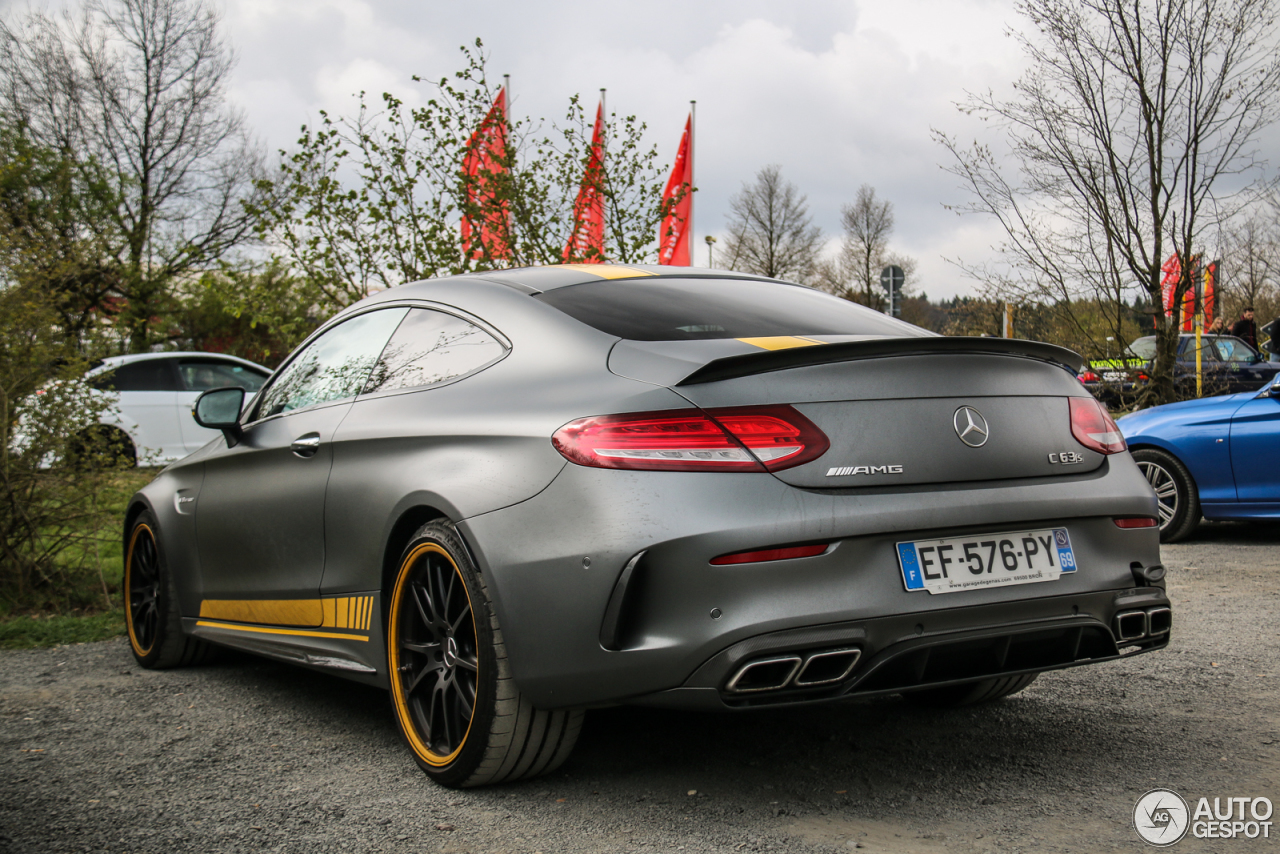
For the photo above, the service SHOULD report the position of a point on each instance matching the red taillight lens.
(1088, 377)
(1093, 427)
(764, 555)
(1136, 522)
(746, 439)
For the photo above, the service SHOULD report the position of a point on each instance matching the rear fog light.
(765, 555)
(1136, 522)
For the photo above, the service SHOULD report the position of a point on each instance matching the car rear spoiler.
(747, 364)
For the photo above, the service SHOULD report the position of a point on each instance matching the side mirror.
(219, 409)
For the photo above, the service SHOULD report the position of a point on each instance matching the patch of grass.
(80, 598)
(26, 632)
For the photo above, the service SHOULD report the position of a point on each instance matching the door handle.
(306, 445)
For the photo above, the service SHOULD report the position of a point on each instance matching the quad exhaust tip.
(825, 667)
(1151, 623)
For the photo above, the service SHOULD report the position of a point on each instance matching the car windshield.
(688, 309)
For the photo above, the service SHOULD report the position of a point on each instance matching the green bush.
(60, 491)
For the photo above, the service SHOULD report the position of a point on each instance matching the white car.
(155, 392)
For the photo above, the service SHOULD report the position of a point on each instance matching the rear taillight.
(1088, 377)
(744, 439)
(1093, 427)
(764, 555)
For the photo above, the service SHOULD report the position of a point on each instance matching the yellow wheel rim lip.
(421, 748)
(128, 590)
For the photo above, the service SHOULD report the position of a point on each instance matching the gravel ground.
(98, 755)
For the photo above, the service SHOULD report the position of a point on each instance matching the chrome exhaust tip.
(1159, 620)
(1131, 625)
(824, 668)
(765, 674)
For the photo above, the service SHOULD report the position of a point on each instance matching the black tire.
(151, 610)
(1176, 491)
(971, 693)
(457, 707)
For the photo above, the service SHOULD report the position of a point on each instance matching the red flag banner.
(483, 167)
(588, 209)
(673, 242)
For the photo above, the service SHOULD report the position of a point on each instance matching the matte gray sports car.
(511, 496)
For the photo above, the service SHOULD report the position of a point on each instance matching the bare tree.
(1132, 137)
(133, 93)
(867, 222)
(770, 233)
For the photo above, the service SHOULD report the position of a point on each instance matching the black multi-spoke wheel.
(142, 585)
(437, 664)
(1179, 500)
(451, 687)
(151, 614)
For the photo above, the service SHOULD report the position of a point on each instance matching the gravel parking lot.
(98, 755)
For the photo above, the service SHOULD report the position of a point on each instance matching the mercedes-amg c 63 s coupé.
(509, 497)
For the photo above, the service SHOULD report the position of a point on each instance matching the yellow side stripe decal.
(607, 271)
(781, 342)
(348, 612)
(276, 612)
(269, 630)
(340, 612)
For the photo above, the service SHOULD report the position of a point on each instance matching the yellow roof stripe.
(607, 271)
(781, 342)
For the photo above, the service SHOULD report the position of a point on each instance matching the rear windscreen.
(687, 309)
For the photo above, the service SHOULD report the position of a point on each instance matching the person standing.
(1245, 329)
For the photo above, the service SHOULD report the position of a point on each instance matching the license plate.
(1115, 376)
(979, 561)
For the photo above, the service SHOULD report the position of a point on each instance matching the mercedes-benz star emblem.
(970, 426)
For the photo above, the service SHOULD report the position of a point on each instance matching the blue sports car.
(1217, 456)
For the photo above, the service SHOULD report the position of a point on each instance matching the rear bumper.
(553, 566)
(908, 652)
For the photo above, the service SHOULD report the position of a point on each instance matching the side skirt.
(356, 653)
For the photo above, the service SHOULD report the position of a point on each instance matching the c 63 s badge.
(843, 471)
(1066, 458)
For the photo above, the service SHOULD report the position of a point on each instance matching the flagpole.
(693, 107)
(604, 150)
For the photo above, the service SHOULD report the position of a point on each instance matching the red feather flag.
(484, 167)
(673, 242)
(588, 209)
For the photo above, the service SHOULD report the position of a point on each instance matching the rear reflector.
(769, 554)
(755, 438)
(1093, 427)
(1136, 522)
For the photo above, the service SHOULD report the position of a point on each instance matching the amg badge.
(848, 470)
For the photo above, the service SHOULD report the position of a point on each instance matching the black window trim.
(246, 421)
(483, 327)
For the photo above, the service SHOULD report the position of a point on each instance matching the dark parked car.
(1228, 365)
(508, 497)
(1216, 457)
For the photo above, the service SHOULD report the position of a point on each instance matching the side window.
(144, 375)
(334, 366)
(431, 347)
(204, 374)
(1234, 350)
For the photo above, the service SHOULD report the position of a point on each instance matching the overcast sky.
(837, 93)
